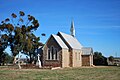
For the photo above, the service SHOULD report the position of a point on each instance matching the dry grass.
(96, 73)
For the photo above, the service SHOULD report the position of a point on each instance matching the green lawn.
(96, 73)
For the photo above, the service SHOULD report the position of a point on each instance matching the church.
(64, 50)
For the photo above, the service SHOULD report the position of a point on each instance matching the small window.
(48, 54)
(76, 55)
(79, 56)
(52, 51)
(56, 54)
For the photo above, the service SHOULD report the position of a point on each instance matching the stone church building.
(64, 50)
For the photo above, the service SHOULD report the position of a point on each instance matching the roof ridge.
(72, 41)
(59, 41)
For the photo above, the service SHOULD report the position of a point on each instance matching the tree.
(2, 58)
(8, 58)
(3, 45)
(111, 58)
(99, 59)
(17, 33)
(5, 58)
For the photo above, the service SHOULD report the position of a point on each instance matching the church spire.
(72, 29)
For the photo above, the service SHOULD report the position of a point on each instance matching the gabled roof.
(71, 41)
(87, 50)
(59, 41)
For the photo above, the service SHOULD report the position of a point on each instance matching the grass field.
(96, 73)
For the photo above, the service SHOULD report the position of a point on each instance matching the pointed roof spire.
(72, 29)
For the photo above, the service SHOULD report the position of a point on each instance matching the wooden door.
(85, 60)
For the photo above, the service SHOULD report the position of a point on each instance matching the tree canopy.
(17, 32)
(111, 58)
(99, 59)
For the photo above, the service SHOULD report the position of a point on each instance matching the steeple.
(72, 29)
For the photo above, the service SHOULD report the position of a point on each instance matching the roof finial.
(72, 29)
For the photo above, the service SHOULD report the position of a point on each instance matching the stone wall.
(76, 57)
(52, 63)
(65, 58)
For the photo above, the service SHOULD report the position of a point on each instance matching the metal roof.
(59, 41)
(87, 50)
(72, 41)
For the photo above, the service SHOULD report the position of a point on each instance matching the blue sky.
(97, 22)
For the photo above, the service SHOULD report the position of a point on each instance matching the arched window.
(79, 56)
(56, 56)
(76, 55)
(48, 54)
(52, 53)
